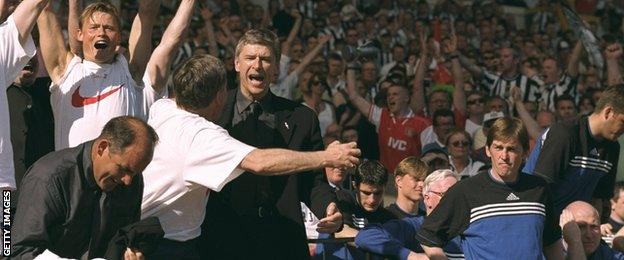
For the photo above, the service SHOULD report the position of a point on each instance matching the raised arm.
(309, 57)
(613, 54)
(532, 126)
(55, 54)
(459, 94)
(73, 24)
(25, 16)
(362, 104)
(158, 65)
(417, 102)
(207, 15)
(475, 70)
(293, 32)
(273, 162)
(575, 58)
(140, 41)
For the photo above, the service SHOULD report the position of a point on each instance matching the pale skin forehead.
(100, 18)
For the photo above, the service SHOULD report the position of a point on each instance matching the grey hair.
(438, 175)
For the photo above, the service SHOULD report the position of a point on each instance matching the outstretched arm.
(459, 94)
(293, 32)
(55, 54)
(281, 161)
(309, 57)
(140, 41)
(575, 57)
(207, 15)
(25, 16)
(362, 104)
(532, 126)
(417, 102)
(158, 65)
(73, 24)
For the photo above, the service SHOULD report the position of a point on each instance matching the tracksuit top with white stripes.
(578, 166)
(494, 220)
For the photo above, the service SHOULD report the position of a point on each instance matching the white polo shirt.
(193, 157)
(13, 57)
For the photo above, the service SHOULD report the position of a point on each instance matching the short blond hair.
(104, 7)
(412, 166)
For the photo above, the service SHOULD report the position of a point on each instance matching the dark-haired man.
(361, 207)
(579, 157)
(78, 197)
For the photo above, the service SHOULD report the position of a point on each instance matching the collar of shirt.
(87, 165)
(242, 103)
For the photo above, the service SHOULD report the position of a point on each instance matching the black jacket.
(226, 234)
(59, 207)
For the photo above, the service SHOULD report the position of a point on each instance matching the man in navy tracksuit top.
(397, 238)
(501, 213)
(579, 157)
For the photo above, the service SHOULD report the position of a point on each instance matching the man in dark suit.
(260, 217)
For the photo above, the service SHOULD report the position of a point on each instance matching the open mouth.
(101, 44)
(256, 78)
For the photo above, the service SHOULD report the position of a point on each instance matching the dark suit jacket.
(224, 236)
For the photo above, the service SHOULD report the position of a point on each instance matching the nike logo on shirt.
(80, 101)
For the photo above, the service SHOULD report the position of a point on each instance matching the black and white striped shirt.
(565, 85)
(498, 85)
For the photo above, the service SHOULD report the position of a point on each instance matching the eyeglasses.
(441, 194)
(476, 101)
(461, 143)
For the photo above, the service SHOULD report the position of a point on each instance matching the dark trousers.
(227, 235)
(170, 249)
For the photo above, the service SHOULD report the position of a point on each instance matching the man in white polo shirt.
(16, 49)
(195, 156)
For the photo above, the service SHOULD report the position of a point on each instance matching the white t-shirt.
(471, 127)
(13, 57)
(428, 136)
(192, 157)
(326, 117)
(90, 94)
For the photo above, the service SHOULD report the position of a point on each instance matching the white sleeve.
(149, 94)
(213, 159)
(13, 56)
(374, 116)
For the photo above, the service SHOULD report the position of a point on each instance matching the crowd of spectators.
(417, 84)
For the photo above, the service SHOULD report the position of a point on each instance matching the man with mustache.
(89, 90)
(499, 213)
(266, 210)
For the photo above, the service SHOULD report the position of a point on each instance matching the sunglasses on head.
(476, 101)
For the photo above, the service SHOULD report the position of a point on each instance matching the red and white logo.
(80, 101)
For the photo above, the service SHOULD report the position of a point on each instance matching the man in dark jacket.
(78, 197)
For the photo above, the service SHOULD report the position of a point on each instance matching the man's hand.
(606, 229)
(613, 51)
(571, 231)
(332, 221)
(324, 38)
(341, 156)
(133, 254)
(416, 256)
